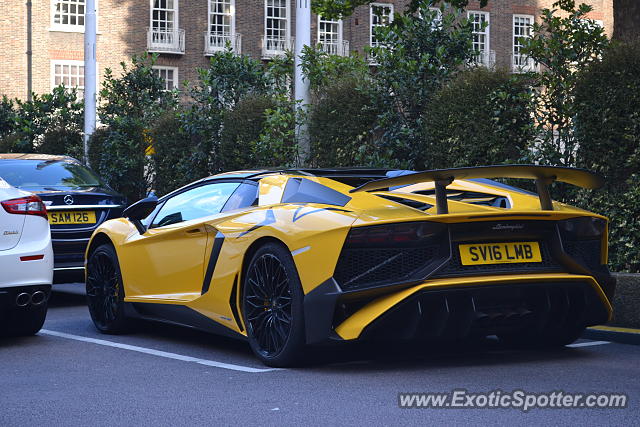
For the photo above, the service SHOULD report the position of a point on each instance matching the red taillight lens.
(31, 205)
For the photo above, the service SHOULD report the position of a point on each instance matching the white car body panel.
(20, 236)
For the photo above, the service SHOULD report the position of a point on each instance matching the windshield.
(51, 173)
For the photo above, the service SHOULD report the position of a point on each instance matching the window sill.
(69, 30)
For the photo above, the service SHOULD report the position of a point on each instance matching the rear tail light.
(30, 205)
(583, 227)
(394, 235)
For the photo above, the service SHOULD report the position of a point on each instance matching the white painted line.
(588, 343)
(153, 352)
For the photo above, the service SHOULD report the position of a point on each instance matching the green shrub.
(277, 146)
(607, 127)
(171, 154)
(481, 117)
(341, 122)
(62, 141)
(129, 105)
(241, 131)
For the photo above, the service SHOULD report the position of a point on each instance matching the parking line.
(164, 354)
(589, 343)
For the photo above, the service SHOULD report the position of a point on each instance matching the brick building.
(185, 32)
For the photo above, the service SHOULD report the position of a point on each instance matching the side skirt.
(182, 316)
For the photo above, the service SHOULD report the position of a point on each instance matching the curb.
(613, 334)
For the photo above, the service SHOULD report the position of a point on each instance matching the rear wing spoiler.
(543, 176)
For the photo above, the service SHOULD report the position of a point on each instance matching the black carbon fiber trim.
(213, 260)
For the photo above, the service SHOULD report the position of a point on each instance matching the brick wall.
(122, 26)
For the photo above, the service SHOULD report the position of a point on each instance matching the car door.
(167, 261)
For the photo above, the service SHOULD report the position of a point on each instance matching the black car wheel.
(105, 293)
(272, 307)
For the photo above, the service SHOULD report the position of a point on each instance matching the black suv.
(77, 202)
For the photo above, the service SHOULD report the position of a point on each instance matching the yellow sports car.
(292, 258)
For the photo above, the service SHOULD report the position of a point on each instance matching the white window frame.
(66, 28)
(331, 21)
(486, 31)
(232, 29)
(176, 81)
(70, 62)
(529, 66)
(176, 13)
(371, 16)
(287, 36)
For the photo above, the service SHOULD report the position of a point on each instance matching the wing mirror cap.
(141, 209)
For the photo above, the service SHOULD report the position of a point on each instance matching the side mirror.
(141, 209)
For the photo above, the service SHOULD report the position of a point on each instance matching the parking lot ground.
(70, 374)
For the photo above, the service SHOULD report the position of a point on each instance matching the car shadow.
(66, 299)
(372, 357)
(348, 357)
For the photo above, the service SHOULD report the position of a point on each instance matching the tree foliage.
(49, 123)
(607, 128)
(339, 9)
(481, 117)
(129, 105)
(564, 42)
(418, 53)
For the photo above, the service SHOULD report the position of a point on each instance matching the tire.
(105, 292)
(547, 338)
(272, 307)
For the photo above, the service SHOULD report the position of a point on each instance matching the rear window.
(37, 173)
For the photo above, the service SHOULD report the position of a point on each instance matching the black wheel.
(547, 338)
(105, 293)
(272, 307)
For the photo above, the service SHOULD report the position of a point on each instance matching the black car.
(77, 202)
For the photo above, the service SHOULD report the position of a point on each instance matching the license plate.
(72, 217)
(500, 253)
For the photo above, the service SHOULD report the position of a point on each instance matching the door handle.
(195, 231)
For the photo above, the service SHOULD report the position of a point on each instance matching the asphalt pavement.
(69, 374)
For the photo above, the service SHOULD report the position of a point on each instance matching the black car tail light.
(394, 235)
(583, 227)
(582, 239)
(381, 255)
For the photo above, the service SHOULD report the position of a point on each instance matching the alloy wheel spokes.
(268, 304)
(102, 288)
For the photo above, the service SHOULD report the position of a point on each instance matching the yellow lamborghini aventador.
(291, 258)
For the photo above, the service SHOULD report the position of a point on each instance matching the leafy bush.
(64, 141)
(481, 117)
(277, 146)
(421, 53)
(170, 159)
(241, 130)
(341, 122)
(50, 123)
(564, 42)
(129, 105)
(607, 127)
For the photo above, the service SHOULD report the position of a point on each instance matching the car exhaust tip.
(23, 299)
(38, 298)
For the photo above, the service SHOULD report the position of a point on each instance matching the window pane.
(195, 203)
